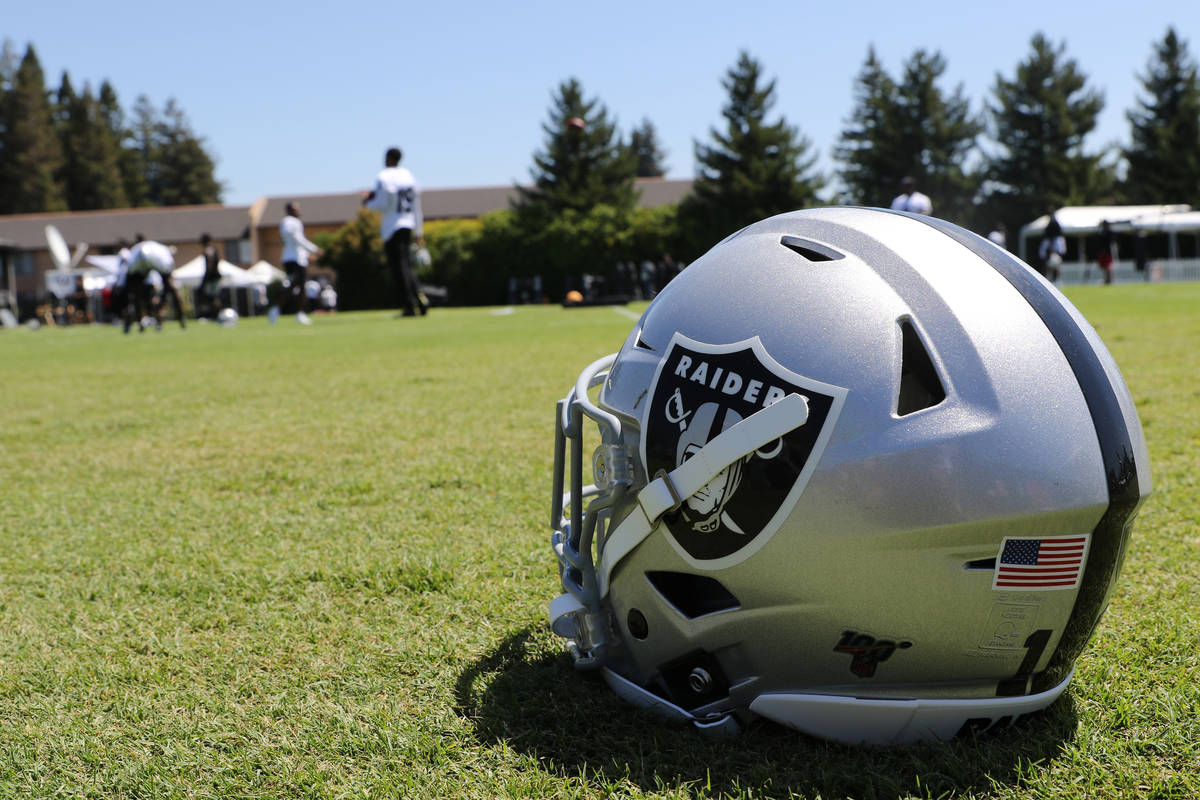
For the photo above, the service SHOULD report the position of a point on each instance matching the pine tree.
(133, 182)
(1164, 154)
(1038, 122)
(65, 150)
(91, 174)
(32, 158)
(184, 171)
(9, 61)
(647, 152)
(140, 159)
(64, 98)
(912, 129)
(868, 148)
(752, 170)
(938, 132)
(583, 164)
(66, 110)
(575, 218)
(110, 110)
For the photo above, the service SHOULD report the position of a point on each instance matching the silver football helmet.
(859, 472)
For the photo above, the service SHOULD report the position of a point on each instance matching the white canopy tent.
(265, 273)
(190, 274)
(109, 264)
(1083, 221)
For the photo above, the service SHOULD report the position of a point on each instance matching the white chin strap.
(669, 490)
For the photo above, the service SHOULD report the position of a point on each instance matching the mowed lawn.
(286, 561)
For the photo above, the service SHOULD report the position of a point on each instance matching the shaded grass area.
(278, 561)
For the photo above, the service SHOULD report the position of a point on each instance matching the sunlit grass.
(289, 562)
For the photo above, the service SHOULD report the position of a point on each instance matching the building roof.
(470, 202)
(657, 192)
(1178, 221)
(316, 209)
(106, 228)
(336, 209)
(185, 223)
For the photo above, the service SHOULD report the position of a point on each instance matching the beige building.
(245, 234)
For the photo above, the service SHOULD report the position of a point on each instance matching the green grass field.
(282, 562)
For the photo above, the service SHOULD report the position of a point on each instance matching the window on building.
(237, 251)
(23, 263)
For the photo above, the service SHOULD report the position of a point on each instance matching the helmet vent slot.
(692, 595)
(920, 386)
(811, 250)
(981, 563)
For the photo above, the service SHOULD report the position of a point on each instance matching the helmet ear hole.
(636, 622)
(692, 595)
(920, 386)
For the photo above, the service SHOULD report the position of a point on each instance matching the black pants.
(208, 297)
(396, 249)
(297, 277)
(139, 299)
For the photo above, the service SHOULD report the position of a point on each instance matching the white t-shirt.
(295, 246)
(398, 198)
(149, 255)
(1052, 250)
(122, 267)
(915, 202)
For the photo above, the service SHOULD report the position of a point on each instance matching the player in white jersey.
(397, 197)
(910, 199)
(144, 257)
(120, 295)
(296, 249)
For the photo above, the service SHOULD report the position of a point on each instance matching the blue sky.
(302, 98)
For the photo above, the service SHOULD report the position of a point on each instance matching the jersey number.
(404, 200)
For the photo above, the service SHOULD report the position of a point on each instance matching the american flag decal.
(1053, 562)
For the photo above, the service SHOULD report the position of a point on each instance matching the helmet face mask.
(861, 473)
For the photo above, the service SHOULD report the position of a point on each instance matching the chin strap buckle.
(665, 477)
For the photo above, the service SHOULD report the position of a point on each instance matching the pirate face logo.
(699, 392)
(705, 510)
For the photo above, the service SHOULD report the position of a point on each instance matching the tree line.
(1023, 151)
(78, 150)
(1020, 151)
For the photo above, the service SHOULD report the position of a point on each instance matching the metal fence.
(1074, 273)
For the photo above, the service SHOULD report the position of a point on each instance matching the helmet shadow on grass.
(526, 693)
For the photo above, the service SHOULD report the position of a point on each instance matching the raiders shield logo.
(701, 390)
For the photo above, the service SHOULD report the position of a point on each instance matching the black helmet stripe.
(1107, 548)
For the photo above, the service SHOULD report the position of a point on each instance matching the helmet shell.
(970, 405)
